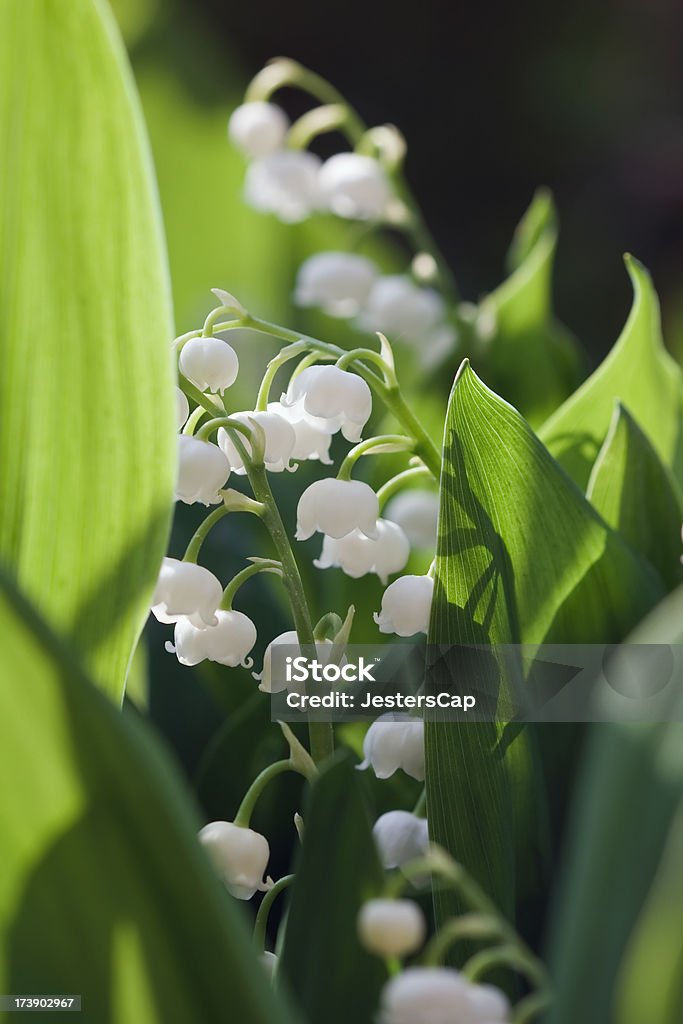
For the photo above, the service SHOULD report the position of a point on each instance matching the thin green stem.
(373, 446)
(512, 955)
(262, 565)
(330, 117)
(460, 929)
(290, 352)
(421, 804)
(261, 922)
(202, 532)
(368, 355)
(397, 482)
(198, 396)
(244, 812)
(531, 1007)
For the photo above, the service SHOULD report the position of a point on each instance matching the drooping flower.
(417, 513)
(185, 589)
(258, 128)
(395, 741)
(284, 183)
(332, 399)
(210, 363)
(337, 282)
(406, 606)
(336, 507)
(288, 643)
(429, 995)
(310, 441)
(358, 554)
(401, 309)
(490, 1004)
(355, 186)
(229, 642)
(239, 855)
(400, 837)
(202, 470)
(182, 408)
(279, 441)
(391, 928)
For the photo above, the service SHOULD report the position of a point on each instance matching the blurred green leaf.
(629, 792)
(86, 393)
(104, 889)
(634, 492)
(522, 557)
(531, 359)
(638, 371)
(333, 978)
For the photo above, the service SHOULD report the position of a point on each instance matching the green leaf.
(629, 792)
(634, 492)
(104, 889)
(337, 871)
(522, 557)
(86, 393)
(638, 371)
(526, 332)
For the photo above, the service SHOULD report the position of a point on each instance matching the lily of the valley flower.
(210, 363)
(335, 508)
(258, 128)
(400, 837)
(358, 555)
(355, 186)
(310, 441)
(393, 742)
(333, 399)
(202, 470)
(391, 928)
(185, 589)
(337, 282)
(229, 642)
(279, 437)
(290, 642)
(239, 855)
(182, 408)
(417, 513)
(284, 183)
(437, 995)
(406, 606)
(401, 309)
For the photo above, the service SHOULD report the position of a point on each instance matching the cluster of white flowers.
(440, 995)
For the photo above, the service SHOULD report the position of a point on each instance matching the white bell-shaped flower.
(284, 183)
(288, 642)
(239, 855)
(337, 282)
(391, 928)
(406, 606)
(332, 399)
(417, 513)
(355, 186)
(202, 470)
(182, 408)
(395, 741)
(401, 309)
(336, 508)
(279, 435)
(228, 642)
(489, 1004)
(210, 363)
(358, 555)
(427, 995)
(258, 128)
(310, 440)
(186, 589)
(400, 837)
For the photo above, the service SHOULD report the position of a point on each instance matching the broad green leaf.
(104, 890)
(522, 557)
(630, 790)
(333, 978)
(639, 372)
(634, 492)
(86, 393)
(532, 359)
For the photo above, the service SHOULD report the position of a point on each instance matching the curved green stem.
(505, 956)
(262, 565)
(261, 922)
(244, 812)
(459, 929)
(290, 352)
(202, 532)
(396, 483)
(330, 117)
(373, 446)
(531, 1007)
(368, 355)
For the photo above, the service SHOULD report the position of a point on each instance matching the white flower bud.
(489, 1004)
(400, 837)
(186, 589)
(182, 408)
(401, 309)
(427, 995)
(202, 470)
(406, 606)
(228, 643)
(391, 927)
(280, 439)
(357, 554)
(336, 507)
(290, 641)
(417, 513)
(239, 855)
(310, 440)
(355, 186)
(210, 363)
(284, 183)
(393, 742)
(258, 128)
(338, 282)
(332, 399)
